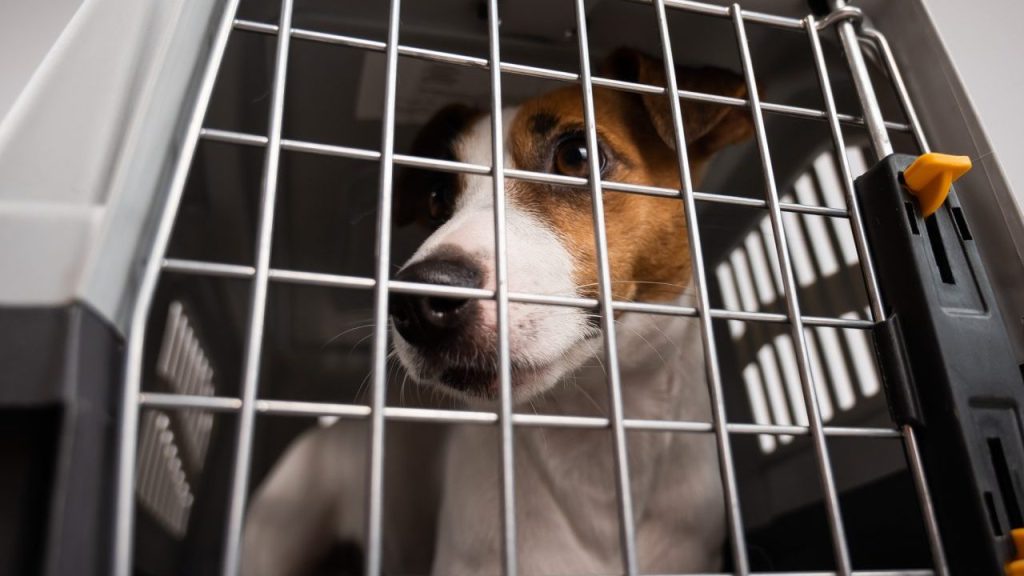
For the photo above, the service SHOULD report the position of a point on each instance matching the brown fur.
(647, 240)
(647, 237)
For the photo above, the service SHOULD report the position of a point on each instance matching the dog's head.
(451, 343)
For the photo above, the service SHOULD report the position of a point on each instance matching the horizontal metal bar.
(846, 322)
(293, 408)
(189, 401)
(439, 290)
(203, 268)
(549, 74)
(232, 137)
(439, 416)
(745, 316)
(208, 268)
(559, 421)
(923, 572)
(722, 11)
(297, 408)
(525, 175)
(321, 279)
(329, 150)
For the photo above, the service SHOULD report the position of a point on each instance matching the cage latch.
(948, 364)
(930, 177)
(896, 375)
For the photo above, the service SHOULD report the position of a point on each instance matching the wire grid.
(249, 404)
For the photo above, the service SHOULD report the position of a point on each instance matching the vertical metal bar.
(862, 82)
(622, 482)
(792, 305)
(508, 487)
(258, 303)
(852, 205)
(901, 88)
(375, 484)
(867, 265)
(734, 518)
(874, 294)
(909, 439)
(924, 498)
(129, 424)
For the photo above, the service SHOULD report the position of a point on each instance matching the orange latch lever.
(1016, 566)
(930, 176)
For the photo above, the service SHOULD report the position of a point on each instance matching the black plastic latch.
(897, 378)
(949, 367)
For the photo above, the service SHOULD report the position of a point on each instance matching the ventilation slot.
(961, 224)
(931, 224)
(1005, 480)
(912, 218)
(173, 446)
(162, 486)
(184, 368)
(993, 515)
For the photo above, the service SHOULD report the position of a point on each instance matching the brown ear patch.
(708, 127)
(436, 139)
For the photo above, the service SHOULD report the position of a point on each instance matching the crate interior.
(317, 345)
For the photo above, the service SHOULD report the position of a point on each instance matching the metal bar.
(321, 279)
(172, 401)
(707, 9)
(793, 306)
(909, 439)
(166, 401)
(232, 137)
(375, 481)
(258, 303)
(507, 434)
(440, 290)
(627, 529)
(824, 573)
(330, 150)
(527, 175)
(925, 500)
(537, 72)
(901, 87)
(129, 424)
(853, 206)
(733, 515)
(208, 268)
(293, 408)
(860, 238)
(862, 82)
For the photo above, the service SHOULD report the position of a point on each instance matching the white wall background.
(985, 41)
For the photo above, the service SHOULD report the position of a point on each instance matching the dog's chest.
(567, 505)
(566, 499)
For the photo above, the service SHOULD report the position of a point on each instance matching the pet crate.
(203, 273)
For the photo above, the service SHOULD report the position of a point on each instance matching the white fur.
(448, 482)
(546, 340)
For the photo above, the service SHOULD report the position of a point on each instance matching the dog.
(442, 486)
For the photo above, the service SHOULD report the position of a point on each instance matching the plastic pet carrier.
(197, 253)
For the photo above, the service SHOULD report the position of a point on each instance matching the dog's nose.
(430, 319)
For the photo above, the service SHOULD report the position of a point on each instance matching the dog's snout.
(430, 319)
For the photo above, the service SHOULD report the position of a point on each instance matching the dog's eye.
(441, 203)
(571, 157)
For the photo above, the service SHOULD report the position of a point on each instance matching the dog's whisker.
(641, 337)
(340, 334)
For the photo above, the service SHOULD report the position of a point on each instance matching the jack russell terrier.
(442, 496)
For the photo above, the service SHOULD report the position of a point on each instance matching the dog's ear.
(708, 127)
(435, 140)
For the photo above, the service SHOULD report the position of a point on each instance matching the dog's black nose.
(423, 320)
